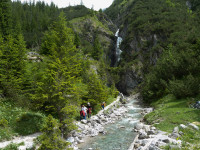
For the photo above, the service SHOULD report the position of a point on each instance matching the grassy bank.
(171, 112)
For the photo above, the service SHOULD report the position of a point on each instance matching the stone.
(183, 126)
(161, 144)
(151, 132)
(148, 110)
(84, 121)
(136, 145)
(144, 142)
(70, 139)
(174, 135)
(153, 147)
(146, 128)
(166, 140)
(181, 133)
(176, 130)
(98, 121)
(153, 128)
(112, 115)
(142, 135)
(139, 126)
(194, 126)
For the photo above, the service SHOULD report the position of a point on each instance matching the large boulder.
(139, 126)
(183, 126)
(176, 130)
(194, 126)
(142, 135)
(146, 128)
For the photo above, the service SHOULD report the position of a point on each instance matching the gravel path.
(28, 141)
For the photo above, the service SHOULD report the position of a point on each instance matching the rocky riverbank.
(150, 138)
(95, 125)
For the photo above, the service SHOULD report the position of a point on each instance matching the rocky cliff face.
(97, 25)
(139, 54)
(145, 27)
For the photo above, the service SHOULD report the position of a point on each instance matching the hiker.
(83, 108)
(103, 105)
(82, 114)
(89, 110)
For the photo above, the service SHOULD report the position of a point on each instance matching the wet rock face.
(137, 52)
(129, 81)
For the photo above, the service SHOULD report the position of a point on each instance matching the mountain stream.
(119, 135)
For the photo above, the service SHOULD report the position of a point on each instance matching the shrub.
(28, 123)
(51, 137)
(3, 122)
(188, 86)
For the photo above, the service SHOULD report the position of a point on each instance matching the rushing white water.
(118, 50)
(117, 138)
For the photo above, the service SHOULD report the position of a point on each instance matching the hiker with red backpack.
(89, 110)
(83, 113)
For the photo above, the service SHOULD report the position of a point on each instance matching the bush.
(188, 86)
(51, 137)
(29, 123)
(3, 122)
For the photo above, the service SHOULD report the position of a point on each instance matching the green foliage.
(5, 17)
(12, 146)
(51, 137)
(33, 19)
(72, 12)
(188, 86)
(12, 65)
(97, 50)
(3, 122)
(28, 123)
(171, 112)
(18, 121)
(97, 91)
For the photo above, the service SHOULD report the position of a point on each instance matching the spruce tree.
(51, 138)
(12, 63)
(97, 50)
(5, 17)
(57, 89)
(97, 90)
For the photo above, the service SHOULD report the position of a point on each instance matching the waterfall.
(118, 50)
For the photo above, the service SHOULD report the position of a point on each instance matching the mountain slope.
(148, 28)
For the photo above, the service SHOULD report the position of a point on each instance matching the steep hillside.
(69, 63)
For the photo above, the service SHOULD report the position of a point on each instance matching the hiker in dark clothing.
(103, 105)
(89, 110)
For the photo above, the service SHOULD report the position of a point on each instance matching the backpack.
(89, 110)
(82, 113)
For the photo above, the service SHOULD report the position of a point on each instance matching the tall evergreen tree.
(57, 91)
(5, 17)
(12, 62)
(97, 50)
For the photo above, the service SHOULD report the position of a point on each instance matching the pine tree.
(97, 50)
(12, 63)
(5, 17)
(97, 90)
(57, 89)
(51, 137)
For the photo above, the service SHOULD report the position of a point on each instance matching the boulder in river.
(139, 126)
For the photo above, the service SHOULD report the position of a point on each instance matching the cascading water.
(118, 50)
(117, 138)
